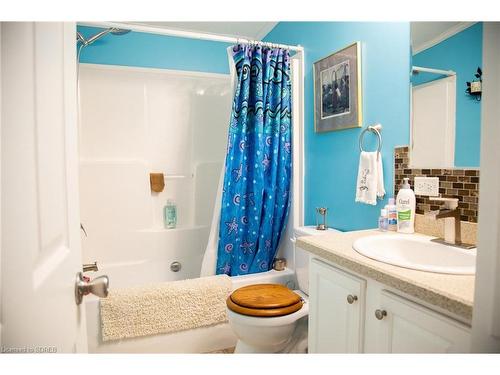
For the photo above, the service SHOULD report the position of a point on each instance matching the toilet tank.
(302, 257)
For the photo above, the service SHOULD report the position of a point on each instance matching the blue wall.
(155, 51)
(462, 53)
(332, 158)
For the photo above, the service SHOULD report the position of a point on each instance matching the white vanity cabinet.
(407, 327)
(349, 313)
(336, 310)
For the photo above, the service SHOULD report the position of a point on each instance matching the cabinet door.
(407, 327)
(336, 310)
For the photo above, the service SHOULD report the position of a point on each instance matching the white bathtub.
(200, 340)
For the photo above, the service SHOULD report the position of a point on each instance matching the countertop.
(453, 293)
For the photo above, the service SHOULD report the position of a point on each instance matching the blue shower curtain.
(256, 191)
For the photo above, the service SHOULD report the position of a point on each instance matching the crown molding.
(266, 29)
(443, 36)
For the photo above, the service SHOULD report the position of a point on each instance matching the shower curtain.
(256, 190)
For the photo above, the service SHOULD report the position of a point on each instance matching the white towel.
(370, 185)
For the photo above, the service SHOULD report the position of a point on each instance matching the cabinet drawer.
(336, 310)
(409, 327)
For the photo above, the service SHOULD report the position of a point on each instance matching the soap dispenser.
(405, 206)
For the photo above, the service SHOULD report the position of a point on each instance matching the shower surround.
(134, 121)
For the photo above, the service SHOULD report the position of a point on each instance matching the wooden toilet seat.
(264, 300)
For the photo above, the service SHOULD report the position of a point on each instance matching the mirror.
(445, 124)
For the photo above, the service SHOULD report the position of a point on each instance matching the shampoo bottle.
(405, 206)
(170, 214)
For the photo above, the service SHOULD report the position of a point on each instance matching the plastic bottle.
(405, 205)
(170, 214)
(382, 220)
(392, 215)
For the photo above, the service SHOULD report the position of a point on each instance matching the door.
(433, 112)
(336, 310)
(40, 215)
(485, 320)
(406, 327)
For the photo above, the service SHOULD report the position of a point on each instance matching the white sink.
(417, 252)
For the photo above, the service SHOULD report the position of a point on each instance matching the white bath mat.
(165, 307)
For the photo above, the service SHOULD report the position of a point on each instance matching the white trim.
(443, 36)
(298, 141)
(182, 33)
(301, 56)
(485, 321)
(155, 70)
(0, 184)
(431, 70)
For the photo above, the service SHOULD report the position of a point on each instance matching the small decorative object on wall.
(474, 88)
(337, 90)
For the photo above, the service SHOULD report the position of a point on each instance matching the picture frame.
(338, 90)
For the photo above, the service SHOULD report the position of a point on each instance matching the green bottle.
(170, 214)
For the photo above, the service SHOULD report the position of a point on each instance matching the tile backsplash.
(453, 183)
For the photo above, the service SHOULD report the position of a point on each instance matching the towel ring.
(374, 129)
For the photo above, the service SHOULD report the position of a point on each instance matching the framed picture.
(337, 90)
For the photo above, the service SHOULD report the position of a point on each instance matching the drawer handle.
(351, 299)
(380, 314)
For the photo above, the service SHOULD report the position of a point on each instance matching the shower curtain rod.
(186, 34)
(435, 71)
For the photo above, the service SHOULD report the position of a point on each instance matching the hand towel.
(370, 184)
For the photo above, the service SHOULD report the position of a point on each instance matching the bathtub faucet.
(90, 267)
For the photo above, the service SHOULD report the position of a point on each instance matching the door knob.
(98, 287)
(380, 314)
(351, 299)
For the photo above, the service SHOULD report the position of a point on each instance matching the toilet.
(271, 318)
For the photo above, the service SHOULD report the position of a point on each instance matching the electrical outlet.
(427, 186)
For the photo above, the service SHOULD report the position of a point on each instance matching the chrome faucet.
(452, 227)
(90, 267)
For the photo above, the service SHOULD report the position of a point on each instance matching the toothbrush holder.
(321, 218)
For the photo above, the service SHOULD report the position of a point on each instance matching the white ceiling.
(247, 30)
(427, 34)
